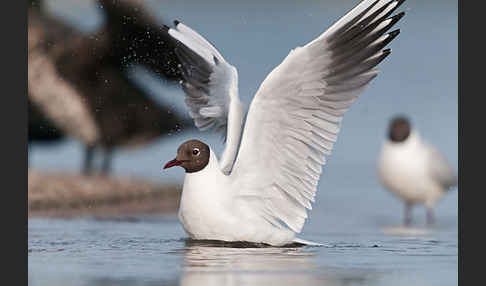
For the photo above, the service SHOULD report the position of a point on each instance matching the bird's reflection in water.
(218, 263)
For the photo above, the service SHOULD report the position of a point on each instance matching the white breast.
(204, 202)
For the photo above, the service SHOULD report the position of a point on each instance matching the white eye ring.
(196, 152)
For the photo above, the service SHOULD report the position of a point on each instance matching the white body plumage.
(414, 171)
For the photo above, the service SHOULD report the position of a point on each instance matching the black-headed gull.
(412, 169)
(260, 189)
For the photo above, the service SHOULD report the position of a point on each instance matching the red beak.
(172, 163)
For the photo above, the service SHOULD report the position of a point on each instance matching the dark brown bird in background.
(78, 84)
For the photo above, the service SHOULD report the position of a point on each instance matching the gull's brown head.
(192, 155)
(399, 129)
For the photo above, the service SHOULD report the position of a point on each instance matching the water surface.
(358, 225)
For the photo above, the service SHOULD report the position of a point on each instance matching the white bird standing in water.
(260, 189)
(413, 170)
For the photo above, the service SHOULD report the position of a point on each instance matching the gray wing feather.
(440, 168)
(211, 87)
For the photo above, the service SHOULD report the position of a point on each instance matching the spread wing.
(294, 119)
(211, 87)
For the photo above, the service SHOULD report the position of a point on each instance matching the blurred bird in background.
(41, 128)
(78, 84)
(413, 170)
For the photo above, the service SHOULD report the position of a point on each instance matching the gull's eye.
(195, 151)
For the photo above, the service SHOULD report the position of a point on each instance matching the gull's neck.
(412, 140)
(206, 184)
(211, 168)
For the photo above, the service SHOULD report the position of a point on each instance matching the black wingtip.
(372, 4)
(399, 15)
(395, 33)
(384, 54)
(396, 18)
(176, 22)
(166, 27)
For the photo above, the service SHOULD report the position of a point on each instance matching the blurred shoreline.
(64, 194)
